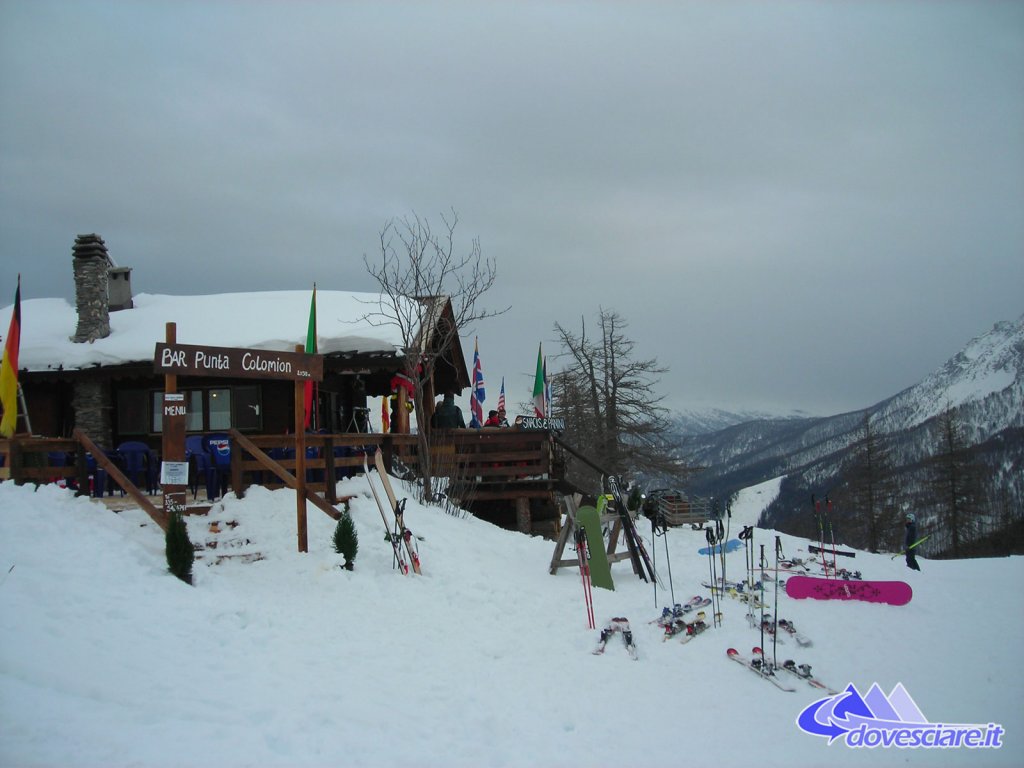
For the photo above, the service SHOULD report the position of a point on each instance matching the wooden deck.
(508, 476)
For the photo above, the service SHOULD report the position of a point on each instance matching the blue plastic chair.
(343, 452)
(139, 464)
(59, 460)
(197, 455)
(102, 483)
(219, 446)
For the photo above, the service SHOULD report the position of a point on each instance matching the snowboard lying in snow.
(891, 592)
(730, 546)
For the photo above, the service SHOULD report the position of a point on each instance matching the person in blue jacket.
(910, 538)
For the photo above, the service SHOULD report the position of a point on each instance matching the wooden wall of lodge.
(495, 464)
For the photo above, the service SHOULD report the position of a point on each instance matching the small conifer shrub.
(346, 540)
(180, 552)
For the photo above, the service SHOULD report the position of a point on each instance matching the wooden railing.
(46, 460)
(40, 459)
(496, 459)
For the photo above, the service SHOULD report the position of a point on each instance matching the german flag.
(9, 370)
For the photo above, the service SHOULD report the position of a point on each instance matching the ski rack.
(571, 504)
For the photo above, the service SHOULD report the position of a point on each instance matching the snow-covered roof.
(275, 320)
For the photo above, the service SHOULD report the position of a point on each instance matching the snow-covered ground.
(484, 660)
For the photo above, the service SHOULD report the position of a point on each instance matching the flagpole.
(24, 409)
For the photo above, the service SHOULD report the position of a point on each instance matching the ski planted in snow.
(634, 544)
(399, 558)
(404, 534)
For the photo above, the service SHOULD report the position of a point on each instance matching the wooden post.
(401, 422)
(173, 441)
(524, 521)
(238, 483)
(300, 460)
(330, 489)
(81, 471)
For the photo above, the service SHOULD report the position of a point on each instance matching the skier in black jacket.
(911, 537)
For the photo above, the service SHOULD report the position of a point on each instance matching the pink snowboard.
(891, 592)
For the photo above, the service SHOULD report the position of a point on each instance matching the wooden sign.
(191, 360)
(173, 483)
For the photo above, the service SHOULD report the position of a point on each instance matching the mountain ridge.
(983, 384)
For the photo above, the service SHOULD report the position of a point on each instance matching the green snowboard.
(600, 570)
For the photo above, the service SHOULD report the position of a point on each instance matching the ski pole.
(719, 578)
(654, 560)
(831, 532)
(720, 532)
(709, 534)
(747, 537)
(775, 634)
(658, 522)
(898, 554)
(762, 601)
(821, 533)
(583, 556)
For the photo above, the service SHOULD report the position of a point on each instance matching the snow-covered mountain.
(702, 421)
(984, 381)
(983, 384)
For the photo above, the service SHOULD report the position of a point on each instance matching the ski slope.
(484, 660)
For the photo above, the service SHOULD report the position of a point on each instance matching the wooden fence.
(490, 465)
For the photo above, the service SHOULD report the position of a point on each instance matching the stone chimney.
(92, 266)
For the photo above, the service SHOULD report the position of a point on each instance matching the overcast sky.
(795, 205)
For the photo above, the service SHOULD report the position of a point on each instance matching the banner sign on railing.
(554, 424)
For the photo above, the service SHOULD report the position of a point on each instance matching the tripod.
(359, 421)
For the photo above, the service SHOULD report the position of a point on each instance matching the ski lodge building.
(90, 368)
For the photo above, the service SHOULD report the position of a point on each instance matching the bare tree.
(871, 488)
(957, 481)
(420, 275)
(608, 400)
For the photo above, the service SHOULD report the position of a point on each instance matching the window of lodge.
(216, 409)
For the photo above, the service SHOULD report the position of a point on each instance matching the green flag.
(539, 408)
(311, 350)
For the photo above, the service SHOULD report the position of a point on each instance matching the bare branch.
(417, 271)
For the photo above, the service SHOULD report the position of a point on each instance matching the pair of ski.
(618, 624)
(399, 536)
(669, 615)
(760, 666)
(688, 629)
(777, 629)
(803, 671)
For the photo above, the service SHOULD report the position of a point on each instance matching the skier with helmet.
(911, 537)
